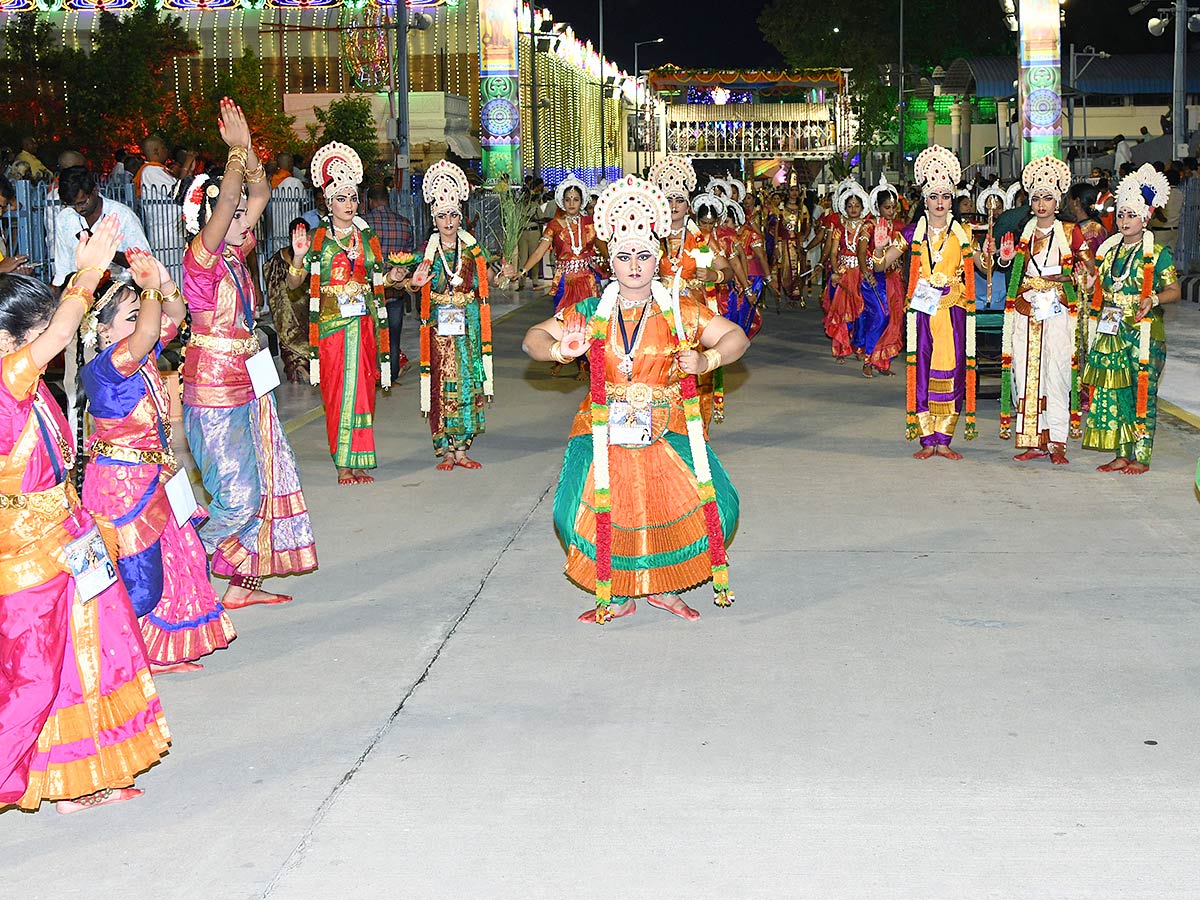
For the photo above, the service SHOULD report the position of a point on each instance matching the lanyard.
(1050, 242)
(246, 304)
(44, 428)
(625, 339)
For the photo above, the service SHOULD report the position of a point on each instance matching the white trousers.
(1041, 379)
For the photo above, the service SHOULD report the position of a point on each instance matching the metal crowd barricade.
(162, 220)
(1187, 251)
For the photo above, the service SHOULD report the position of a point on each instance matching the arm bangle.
(152, 295)
(556, 354)
(83, 295)
(295, 271)
(714, 360)
(255, 176)
(1154, 301)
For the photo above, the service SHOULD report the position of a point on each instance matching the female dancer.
(758, 267)
(637, 472)
(572, 237)
(878, 333)
(941, 300)
(1040, 368)
(130, 461)
(348, 336)
(1081, 204)
(257, 521)
(791, 263)
(79, 715)
(1129, 344)
(456, 323)
(847, 245)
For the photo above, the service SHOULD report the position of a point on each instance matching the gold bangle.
(151, 294)
(256, 176)
(1154, 301)
(293, 270)
(176, 294)
(83, 295)
(720, 279)
(556, 354)
(238, 154)
(714, 360)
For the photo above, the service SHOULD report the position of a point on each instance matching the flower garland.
(373, 263)
(668, 304)
(911, 427)
(470, 249)
(1067, 261)
(1112, 245)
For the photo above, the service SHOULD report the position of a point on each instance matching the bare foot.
(924, 453)
(239, 597)
(363, 478)
(446, 465)
(156, 669)
(947, 453)
(1135, 468)
(615, 611)
(868, 371)
(100, 798)
(467, 463)
(345, 476)
(673, 604)
(1115, 466)
(1058, 455)
(1031, 453)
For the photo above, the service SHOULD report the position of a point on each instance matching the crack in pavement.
(295, 857)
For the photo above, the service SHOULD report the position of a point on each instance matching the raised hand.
(883, 233)
(421, 276)
(145, 269)
(300, 244)
(1008, 249)
(97, 250)
(231, 122)
(166, 282)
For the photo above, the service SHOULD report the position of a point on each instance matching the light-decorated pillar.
(499, 113)
(956, 128)
(1039, 85)
(930, 125)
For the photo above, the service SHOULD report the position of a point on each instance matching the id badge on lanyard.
(93, 571)
(926, 298)
(452, 320)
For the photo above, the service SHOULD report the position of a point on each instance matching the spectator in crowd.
(154, 172)
(1144, 134)
(395, 234)
(535, 192)
(119, 174)
(1122, 151)
(289, 309)
(1165, 223)
(312, 218)
(1187, 167)
(17, 262)
(82, 208)
(283, 170)
(1165, 123)
(28, 156)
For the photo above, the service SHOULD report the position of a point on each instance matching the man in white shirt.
(1122, 151)
(82, 208)
(154, 173)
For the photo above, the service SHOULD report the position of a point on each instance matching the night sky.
(725, 34)
(710, 33)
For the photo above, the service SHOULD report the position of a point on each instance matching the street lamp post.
(637, 102)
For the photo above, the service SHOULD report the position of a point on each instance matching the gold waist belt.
(247, 346)
(458, 298)
(640, 395)
(350, 289)
(129, 455)
(50, 503)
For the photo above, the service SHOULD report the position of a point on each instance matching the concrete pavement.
(939, 680)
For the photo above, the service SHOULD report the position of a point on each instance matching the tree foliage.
(350, 121)
(867, 39)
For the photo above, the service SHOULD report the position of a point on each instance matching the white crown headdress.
(632, 211)
(737, 189)
(571, 181)
(878, 192)
(202, 193)
(849, 188)
(1046, 175)
(714, 182)
(1143, 191)
(937, 169)
(735, 212)
(988, 193)
(674, 176)
(710, 200)
(335, 167)
(445, 187)
(1010, 196)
